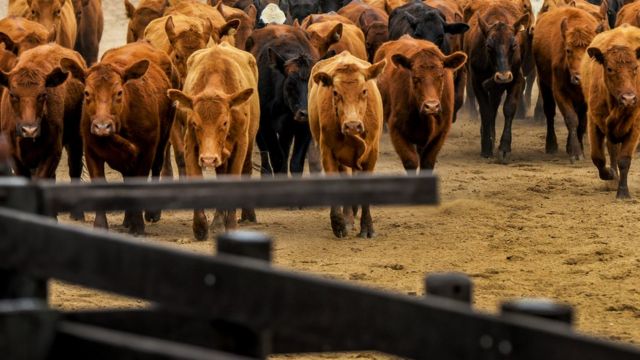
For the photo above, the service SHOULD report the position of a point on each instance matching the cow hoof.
(248, 216)
(504, 157)
(486, 154)
(136, 230)
(607, 174)
(551, 148)
(100, 225)
(152, 216)
(200, 234)
(77, 216)
(340, 233)
(623, 194)
(217, 225)
(126, 222)
(367, 234)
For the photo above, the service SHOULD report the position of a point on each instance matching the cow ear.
(230, 25)
(9, 45)
(136, 70)
(181, 98)
(596, 54)
(276, 60)
(573, 3)
(413, 21)
(170, 30)
(522, 24)
(375, 70)
(71, 66)
(329, 54)
(56, 78)
(564, 26)
(604, 9)
(296, 23)
(335, 34)
(240, 97)
(455, 28)
(129, 8)
(251, 11)
(323, 79)
(220, 7)
(401, 61)
(484, 27)
(455, 61)
(362, 21)
(207, 29)
(4, 79)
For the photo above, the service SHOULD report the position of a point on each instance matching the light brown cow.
(205, 12)
(345, 117)
(332, 16)
(418, 95)
(19, 34)
(126, 118)
(220, 97)
(140, 17)
(611, 86)
(334, 36)
(55, 15)
(629, 14)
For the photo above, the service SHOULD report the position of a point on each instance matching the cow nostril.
(29, 130)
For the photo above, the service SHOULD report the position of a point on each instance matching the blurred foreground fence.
(235, 305)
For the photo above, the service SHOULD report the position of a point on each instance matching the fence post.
(454, 286)
(542, 308)
(253, 245)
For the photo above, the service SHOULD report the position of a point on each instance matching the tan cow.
(345, 117)
(629, 14)
(55, 15)
(19, 34)
(220, 97)
(611, 86)
(334, 36)
(140, 17)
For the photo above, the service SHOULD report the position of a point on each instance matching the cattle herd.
(309, 79)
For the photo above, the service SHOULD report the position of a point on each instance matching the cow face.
(105, 93)
(209, 117)
(28, 92)
(323, 42)
(46, 12)
(429, 24)
(376, 35)
(138, 20)
(427, 68)
(185, 43)
(78, 7)
(298, 10)
(349, 92)
(620, 65)
(503, 46)
(36, 37)
(576, 40)
(296, 78)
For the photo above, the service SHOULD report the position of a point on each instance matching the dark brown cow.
(247, 20)
(611, 86)
(418, 97)
(90, 25)
(559, 43)
(373, 22)
(19, 34)
(126, 119)
(140, 17)
(41, 111)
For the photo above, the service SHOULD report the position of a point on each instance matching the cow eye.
(568, 51)
(609, 69)
(119, 94)
(33, 13)
(335, 93)
(364, 92)
(57, 13)
(224, 124)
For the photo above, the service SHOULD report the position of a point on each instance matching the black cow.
(422, 21)
(299, 9)
(284, 65)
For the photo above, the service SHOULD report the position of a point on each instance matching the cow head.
(503, 46)
(376, 33)
(576, 40)
(105, 93)
(296, 74)
(186, 42)
(139, 19)
(28, 92)
(46, 12)
(209, 117)
(303, 8)
(35, 35)
(246, 22)
(350, 96)
(427, 68)
(322, 42)
(620, 65)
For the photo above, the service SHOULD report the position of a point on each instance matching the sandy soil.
(538, 227)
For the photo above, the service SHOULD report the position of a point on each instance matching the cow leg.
(74, 161)
(331, 166)
(549, 105)
(614, 151)
(430, 152)
(405, 150)
(509, 110)
(581, 110)
(276, 154)
(596, 137)
(236, 166)
(248, 215)
(301, 142)
(133, 219)
(314, 159)
(488, 104)
(265, 160)
(470, 104)
(285, 140)
(157, 166)
(96, 172)
(525, 100)
(459, 84)
(574, 150)
(193, 170)
(624, 163)
(167, 167)
(366, 221)
(348, 210)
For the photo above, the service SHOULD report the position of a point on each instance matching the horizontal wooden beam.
(304, 313)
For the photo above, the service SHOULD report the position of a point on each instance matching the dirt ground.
(539, 227)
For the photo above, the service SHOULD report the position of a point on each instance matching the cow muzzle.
(210, 161)
(628, 99)
(28, 131)
(430, 107)
(503, 77)
(576, 79)
(102, 128)
(352, 127)
(301, 116)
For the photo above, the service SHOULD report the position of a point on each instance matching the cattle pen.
(235, 305)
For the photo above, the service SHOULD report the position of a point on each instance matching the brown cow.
(204, 12)
(345, 117)
(629, 14)
(418, 97)
(373, 22)
(19, 34)
(559, 43)
(599, 12)
(220, 97)
(247, 20)
(337, 37)
(90, 25)
(140, 17)
(332, 16)
(55, 15)
(41, 111)
(126, 119)
(611, 86)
